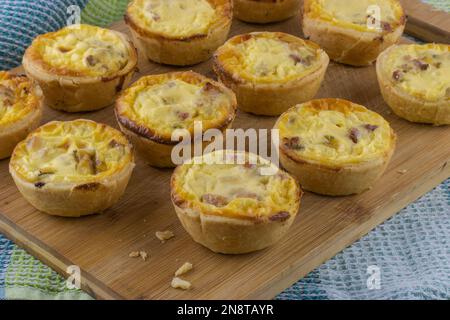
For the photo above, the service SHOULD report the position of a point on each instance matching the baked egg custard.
(179, 32)
(270, 71)
(93, 62)
(265, 11)
(269, 57)
(82, 51)
(356, 32)
(415, 81)
(21, 105)
(334, 146)
(155, 106)
(225, 202)
(72, 168)
(174, 18)
(354, 14)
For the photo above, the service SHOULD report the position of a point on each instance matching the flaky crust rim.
(224, 7)
(406, 105)
(152, 134)
(357, 166)
(43, 72)
(228, 76)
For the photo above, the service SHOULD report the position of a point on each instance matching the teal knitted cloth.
(411, 250)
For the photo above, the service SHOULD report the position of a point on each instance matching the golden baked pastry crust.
(155, 106)
(21, 105)
(415, 82)
(270, 71)
(174, 43)
(81, 67)
(265, 11)
(242, 211)
(352, 42)
(334, 147)
(72, 168)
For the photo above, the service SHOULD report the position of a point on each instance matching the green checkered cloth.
(28, 278)
(103, 12)
(24, 277)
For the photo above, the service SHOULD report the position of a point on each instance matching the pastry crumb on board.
(164, 235)
(136, 254)
(185, 268)
(179, 283)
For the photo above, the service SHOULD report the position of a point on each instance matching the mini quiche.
(225, 203)
(72, 168)
(265, 11)
(81, 67)
(356, 32)
(335, 147)
(21, 105)
(415, 82)
(270, 71)
(179, 32)
(150, 112)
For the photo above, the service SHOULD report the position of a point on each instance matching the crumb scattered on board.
(137, 254)
(164, 235)
(143, 255)
(402, 171)
(134, 254)
(179, 283)
(185, 268)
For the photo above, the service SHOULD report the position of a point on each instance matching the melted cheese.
(236, 189)
(165, 103)
(355, 13)
(421, 70)
(269, 57)
(18, 98)
(174, 18)
(74, 151)
(82, 50)
(333, 131)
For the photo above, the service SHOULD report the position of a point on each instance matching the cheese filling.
(177, 104)
(70, 152)
(335, 135)
(357, 13)
(421, 70)
(17, 98)
(83, 50)
(267, 58)
(274, 59)
(238, 188)
(174, 18)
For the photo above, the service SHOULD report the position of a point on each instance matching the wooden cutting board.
(426, 23)
(100, 244)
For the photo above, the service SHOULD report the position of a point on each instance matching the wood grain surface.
(426, 23)
(100, 244)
